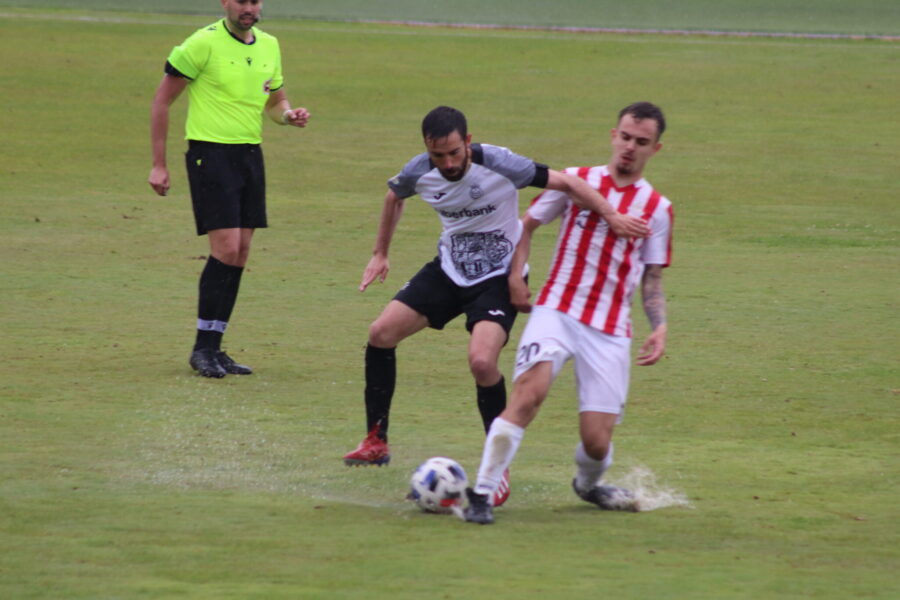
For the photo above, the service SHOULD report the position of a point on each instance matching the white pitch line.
(474, 29)
(637, 31)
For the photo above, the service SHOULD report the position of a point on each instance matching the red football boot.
(502, 493)
(371, 451)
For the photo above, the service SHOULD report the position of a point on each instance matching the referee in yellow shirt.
(232, 72)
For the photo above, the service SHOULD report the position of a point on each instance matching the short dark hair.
(646, 110)
(442, 121)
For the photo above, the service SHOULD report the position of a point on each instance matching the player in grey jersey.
(474, 190)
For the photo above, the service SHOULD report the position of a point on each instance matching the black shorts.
(431, 293)
(228, 185)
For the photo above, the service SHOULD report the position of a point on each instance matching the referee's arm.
(169, 89)
(279, 110)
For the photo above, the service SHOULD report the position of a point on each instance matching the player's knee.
(381, 336)
(484, 369)
(230, 255)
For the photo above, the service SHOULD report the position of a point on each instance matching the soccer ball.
(438, 485)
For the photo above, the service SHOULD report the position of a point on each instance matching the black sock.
(381, 375)
(217, 294)
(230, 286)
(491, 401)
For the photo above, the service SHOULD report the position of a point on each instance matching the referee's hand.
(159, 180)
(298, 117)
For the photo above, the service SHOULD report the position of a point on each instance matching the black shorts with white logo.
(228, 185)
(431, 293)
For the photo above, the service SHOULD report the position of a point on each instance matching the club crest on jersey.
(587, 218)
(475, 192)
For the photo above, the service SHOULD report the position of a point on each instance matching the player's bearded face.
(242, 14)
(633, 142)
(450, 155)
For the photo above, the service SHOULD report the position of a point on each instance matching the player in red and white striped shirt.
(583, 312)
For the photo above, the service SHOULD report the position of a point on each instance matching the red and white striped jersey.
(594, 272)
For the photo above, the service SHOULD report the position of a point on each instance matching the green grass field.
(124, 476)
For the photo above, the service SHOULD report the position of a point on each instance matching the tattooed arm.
(655, 308)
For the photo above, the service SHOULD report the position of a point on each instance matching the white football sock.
(500, 447)
(590, 471)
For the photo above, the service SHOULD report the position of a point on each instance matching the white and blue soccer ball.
(438, 485)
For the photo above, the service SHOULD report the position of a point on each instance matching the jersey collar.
(231, 33)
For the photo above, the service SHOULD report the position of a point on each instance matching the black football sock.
(231, 282)
(491, 401)
(381, 376)
(209, 327)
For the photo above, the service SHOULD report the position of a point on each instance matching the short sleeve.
(191, 56)
(404, 183)
(657, 250)
(277, 78)
(170, 70)
(548, 205)
(515, 167)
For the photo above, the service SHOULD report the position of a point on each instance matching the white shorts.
(602, 361)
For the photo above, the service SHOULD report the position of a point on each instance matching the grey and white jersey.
(479, 213)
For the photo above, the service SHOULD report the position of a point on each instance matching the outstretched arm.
(588, 198)
(379, 266)
(169, 89)
(655, 308)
